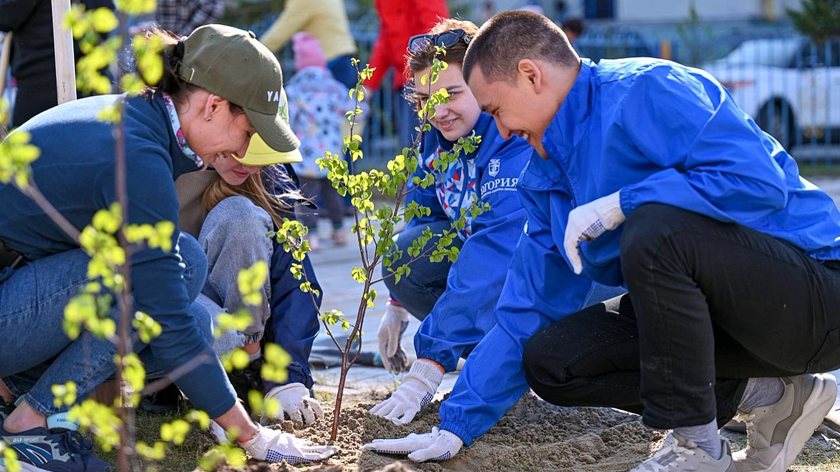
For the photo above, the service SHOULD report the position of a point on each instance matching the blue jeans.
(234, 237)
(35, 353)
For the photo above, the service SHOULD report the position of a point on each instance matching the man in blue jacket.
(650, 176)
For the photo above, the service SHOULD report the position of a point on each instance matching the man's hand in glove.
(439, 445)
(296, 403)
(391, 329)
(416, 391)
(589, 221)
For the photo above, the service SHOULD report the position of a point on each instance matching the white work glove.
(589, 221)
(271, 445)
(439, 445)
(416, 391)
(391, 329)
(296, 403)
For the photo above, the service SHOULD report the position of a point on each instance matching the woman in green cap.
(220, 87)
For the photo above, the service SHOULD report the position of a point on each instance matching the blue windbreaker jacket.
(464, 313)
(660, 133)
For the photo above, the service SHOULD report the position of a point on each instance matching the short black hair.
(511, 36)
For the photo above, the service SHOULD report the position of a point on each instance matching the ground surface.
(533, 436)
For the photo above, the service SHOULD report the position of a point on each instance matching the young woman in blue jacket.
(455, 301)
(650, 176)
(455, 306)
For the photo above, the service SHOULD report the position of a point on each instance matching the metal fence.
(788, 84)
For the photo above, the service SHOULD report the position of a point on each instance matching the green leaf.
(277, 360)
(10, 458)
(238, 359)
(93, 416)
(175, 432)
(255, 400)
(16, 155)
(134, 372)
(104, 20)
(200, 417)
(64, 394)
(359, 274)
(153, 453)
(251, 281)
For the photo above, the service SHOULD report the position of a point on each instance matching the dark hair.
(512, 36)
(170, 82)
(573, 25)
(173, 51)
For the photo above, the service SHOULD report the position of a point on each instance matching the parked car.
(790, 86)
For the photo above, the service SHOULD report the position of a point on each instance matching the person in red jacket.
(400, 20)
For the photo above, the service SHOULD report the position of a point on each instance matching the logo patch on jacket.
(495, 165)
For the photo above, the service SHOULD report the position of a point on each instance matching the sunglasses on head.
(447, 39)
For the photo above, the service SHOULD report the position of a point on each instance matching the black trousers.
(419, 291)
(35, 94)
(709, 305)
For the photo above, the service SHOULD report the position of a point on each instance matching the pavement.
(333, 267)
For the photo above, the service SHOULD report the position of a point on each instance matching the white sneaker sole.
(816, 407)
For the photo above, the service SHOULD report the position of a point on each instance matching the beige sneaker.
(776, 433)
(680, 454)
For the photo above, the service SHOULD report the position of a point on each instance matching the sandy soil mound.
(533, 436)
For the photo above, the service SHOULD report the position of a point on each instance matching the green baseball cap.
(260, 154)
(231, 63)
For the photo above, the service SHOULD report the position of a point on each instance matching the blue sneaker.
(57, 450)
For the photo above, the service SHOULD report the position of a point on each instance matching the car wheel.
(776, 119)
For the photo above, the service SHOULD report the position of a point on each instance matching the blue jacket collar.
(570, 123)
